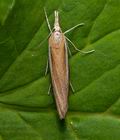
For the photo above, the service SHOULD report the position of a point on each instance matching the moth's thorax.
(57, 40)
(57, 36)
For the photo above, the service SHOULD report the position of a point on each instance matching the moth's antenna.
(47, 20)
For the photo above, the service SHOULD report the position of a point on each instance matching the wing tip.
(62, 112)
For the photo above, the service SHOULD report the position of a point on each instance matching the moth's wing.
(66, 56)
(60, 91)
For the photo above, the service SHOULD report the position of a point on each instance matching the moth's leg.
(46, 70)
(47, 21)
(81, 24)
(49, 89)
(84, 52)
(67, 48)
(44, 40)
(72, 87)
(69, 51)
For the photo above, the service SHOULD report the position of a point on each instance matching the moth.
(58, 63)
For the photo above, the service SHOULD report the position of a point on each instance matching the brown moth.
(58, 62)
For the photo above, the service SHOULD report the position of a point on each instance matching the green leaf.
(26, 111)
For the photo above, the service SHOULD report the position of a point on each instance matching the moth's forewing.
(58, 60)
